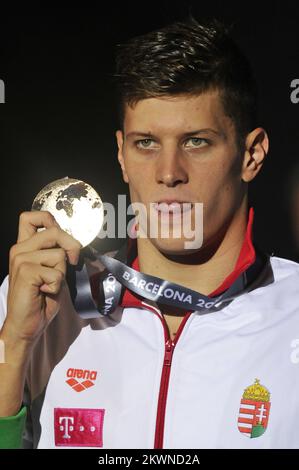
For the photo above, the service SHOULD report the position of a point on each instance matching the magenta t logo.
(78, 427)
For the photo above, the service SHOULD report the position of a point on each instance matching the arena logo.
(79, 379)
(295, 93)
(2, 91)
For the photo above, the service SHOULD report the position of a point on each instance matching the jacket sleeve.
(12, 430)
(15, 431)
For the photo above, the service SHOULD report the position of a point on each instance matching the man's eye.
(196, 142)
(143, 143)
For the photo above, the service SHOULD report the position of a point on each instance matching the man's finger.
(52, 258)
(51, 238)
(30, 221)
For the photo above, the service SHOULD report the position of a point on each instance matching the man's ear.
(120, 156)
(256, 149)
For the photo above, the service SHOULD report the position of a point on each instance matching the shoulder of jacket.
(284, 267)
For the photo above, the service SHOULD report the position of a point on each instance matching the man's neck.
(211, 267)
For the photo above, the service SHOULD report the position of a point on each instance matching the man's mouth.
(172, 207)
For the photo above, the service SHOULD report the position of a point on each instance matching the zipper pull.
(169, 347)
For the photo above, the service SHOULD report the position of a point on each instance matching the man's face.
(182, 149)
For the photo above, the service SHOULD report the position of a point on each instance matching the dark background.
(59, 117)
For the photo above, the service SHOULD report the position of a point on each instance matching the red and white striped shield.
(253, 417)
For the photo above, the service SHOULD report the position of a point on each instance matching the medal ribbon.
(117, 276)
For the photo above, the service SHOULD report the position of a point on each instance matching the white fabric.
(216, 357)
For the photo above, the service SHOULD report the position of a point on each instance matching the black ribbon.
(100, 294)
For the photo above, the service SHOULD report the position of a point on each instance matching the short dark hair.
(187, 57)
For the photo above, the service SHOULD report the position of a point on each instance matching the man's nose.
(171, 168)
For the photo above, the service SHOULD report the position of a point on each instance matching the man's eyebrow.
(185, 134)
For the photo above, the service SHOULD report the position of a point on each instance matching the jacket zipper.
(169, 349)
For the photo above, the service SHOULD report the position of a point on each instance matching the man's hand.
(37, 267)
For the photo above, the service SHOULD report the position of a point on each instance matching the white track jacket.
(230, 379)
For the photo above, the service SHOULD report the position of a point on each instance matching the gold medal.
(76, 206)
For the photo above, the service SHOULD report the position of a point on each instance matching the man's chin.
(173, 247)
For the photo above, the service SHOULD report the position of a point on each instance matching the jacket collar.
(246, 258)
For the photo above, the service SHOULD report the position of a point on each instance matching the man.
(151, 375)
